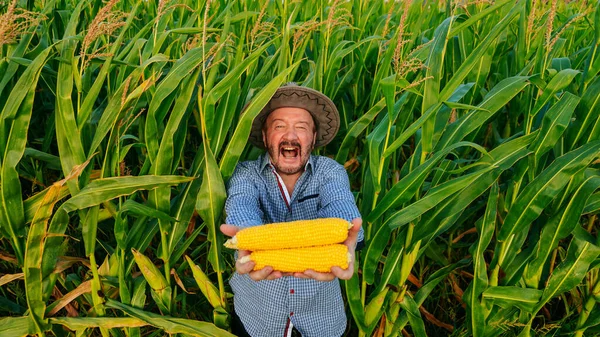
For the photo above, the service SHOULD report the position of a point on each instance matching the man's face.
(289, 135)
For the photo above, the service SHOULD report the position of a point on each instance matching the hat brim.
(322, 109)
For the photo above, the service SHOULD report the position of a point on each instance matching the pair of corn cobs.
(295, 246)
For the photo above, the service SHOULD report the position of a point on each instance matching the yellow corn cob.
(294, 234)
(319, 258)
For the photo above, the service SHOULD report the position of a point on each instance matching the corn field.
(470, 130)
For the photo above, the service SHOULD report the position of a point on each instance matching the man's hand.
(343, 274)
(266, 273)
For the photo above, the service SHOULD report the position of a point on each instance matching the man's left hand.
(343, 274)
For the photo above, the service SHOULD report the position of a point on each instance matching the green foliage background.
(470, 132)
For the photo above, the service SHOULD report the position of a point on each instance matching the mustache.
(288, 143)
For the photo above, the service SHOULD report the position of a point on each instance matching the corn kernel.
(319, 258)
(294, 234)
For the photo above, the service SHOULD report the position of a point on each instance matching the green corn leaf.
(559, 82)
(593, 204)
(373, 252)
(497, 98)
(473, 19)
(171, 324)
(554, 124)
(485, 228)
(538, 194)
(432, 111)
(207, 288)
(414, 316)
(375, 308)
(10, 69)
(434, 197)
(115, 109)
(569, 273)
(352, 287)
(51, 161)
(34, 249)
(433, 75)
(210, 201)
(83, 323)
(225, 84)
(16, 116)
(558, 227)
(481, 48)
(101, 190)
(68, 136)
(17, 326)
(161, 291)
(392, 269)
(142, 211)
(164, 163)
(92, 95)
(223, 119)
(506, 297)
(592, 320)
(209, 205)
(185, 205)
(132, 207)
(586, 115)
(408, 186)
(446, 214)
(462, 106)
(427, 288)
(157, 109)
(358, 127)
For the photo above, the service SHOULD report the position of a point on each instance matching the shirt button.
(291, 291)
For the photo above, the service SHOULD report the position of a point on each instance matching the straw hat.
(322, 109)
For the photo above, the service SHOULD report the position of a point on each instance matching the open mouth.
(289, 151)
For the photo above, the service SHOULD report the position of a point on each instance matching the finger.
(357, 223)
(353, 232)
(319, 276)
(275, 275)
(342, 274)
(261, 274)
(300, 275)
(229, 230)
(244, 268)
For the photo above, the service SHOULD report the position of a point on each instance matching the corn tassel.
(319, 258)
(294, 234)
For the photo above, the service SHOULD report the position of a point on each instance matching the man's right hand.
(266, 273)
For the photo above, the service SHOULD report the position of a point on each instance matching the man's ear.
(264, 137)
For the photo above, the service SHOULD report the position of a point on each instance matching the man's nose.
(290, 134)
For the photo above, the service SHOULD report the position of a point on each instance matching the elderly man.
(285, 184)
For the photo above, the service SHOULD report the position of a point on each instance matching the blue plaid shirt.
(254, 198)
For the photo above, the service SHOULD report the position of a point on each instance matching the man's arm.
(243, 210)
(242, 206)
(337, 201)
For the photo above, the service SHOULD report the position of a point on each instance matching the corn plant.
(470, 131)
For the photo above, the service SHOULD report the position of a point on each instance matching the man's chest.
(280, 206)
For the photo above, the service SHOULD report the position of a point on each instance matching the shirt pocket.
(307, 206)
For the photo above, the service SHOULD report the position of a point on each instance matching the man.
(285, 184)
